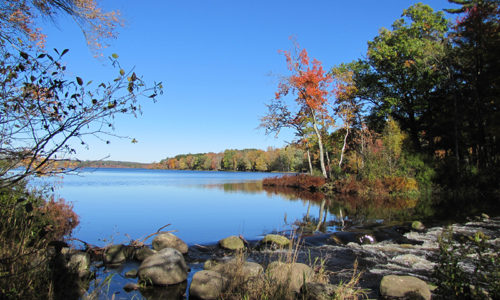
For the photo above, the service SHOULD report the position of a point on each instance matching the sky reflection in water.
(202, 206)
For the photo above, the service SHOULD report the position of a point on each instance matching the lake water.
(117, 205)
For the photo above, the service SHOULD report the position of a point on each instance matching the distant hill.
(109, 164)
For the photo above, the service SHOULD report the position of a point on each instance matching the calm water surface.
(122, 204)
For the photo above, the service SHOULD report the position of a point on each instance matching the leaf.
(122, 72)
(114, 55)
(24, 55)
(79, 80)
(64, 52)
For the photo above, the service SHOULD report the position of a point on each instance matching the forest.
(421, 107)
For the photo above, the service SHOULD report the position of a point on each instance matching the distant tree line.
(287, 159)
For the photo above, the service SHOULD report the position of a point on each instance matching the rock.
(115, 254)
(404, 287)
(166, 267)
(417, 225)
(142, 253)
(235, 268)
(168, 240)
(275, 240)
(207, 284)
(414, 262)
(291, 274)
(232, 243)
(131, 273)
(79, 262)
(131, 287)
(318, 291)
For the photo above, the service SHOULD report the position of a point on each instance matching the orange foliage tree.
(310, 87)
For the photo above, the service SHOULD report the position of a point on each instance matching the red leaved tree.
(310, 87)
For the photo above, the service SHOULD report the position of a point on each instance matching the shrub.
(468, 267)
(299, 181)
(28, 226)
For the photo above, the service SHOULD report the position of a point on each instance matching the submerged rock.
(208, 284)
(168, 240)
(232, 243)
(131, 273)
(404, 287)
(167, 267)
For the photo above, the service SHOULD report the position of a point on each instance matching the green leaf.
(122, 72)
(114, 55)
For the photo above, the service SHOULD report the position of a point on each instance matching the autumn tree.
(19, 21)
(309, 85)
(347, 105)
(44, 112)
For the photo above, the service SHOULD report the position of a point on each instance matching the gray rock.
(232, 243)
(290, 274)
(168, 240)
(166, 267)
(404, 287)
(208, 284)
(142, 253)
(115, 254)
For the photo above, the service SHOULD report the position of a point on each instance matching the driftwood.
(97, 252)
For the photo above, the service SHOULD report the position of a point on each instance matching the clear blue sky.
(219, 63)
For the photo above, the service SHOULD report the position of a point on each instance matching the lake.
(117, 205)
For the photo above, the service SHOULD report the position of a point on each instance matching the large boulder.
(115, 254)
(291, 275)
(275, 240)
(168, 240)
(232, 243)
(208, 284)
(404, 287)
(166, 267)
(235, 268)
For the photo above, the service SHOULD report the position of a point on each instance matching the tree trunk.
(320, 145)
(343, 147)
(309, 160)
(328, 164)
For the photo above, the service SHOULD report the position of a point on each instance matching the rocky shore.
(396, 262)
